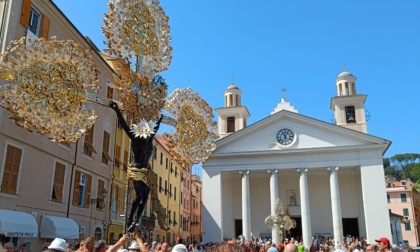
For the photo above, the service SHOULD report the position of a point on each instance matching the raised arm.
(157, 124)
(121, 119)
(155, 129)
(120, 243)
(140, 242)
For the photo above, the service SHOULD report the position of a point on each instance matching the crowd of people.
(124, 244)
(318, 244)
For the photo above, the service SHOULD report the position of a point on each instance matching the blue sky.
(299, 45)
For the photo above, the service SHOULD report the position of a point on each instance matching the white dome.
(232, 86)
(344, 73)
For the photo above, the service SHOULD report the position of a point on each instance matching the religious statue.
(142, 149)
(47, 95)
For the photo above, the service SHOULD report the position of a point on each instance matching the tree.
(400, 166)
(415, 173)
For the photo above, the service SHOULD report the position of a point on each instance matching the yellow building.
(117, 213)
(117, 200)
(170, 185)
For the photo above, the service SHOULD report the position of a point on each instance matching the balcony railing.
(147, 222)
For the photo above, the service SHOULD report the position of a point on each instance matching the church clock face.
(285, 136)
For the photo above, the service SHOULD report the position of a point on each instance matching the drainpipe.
(108, 209)
(2, 19)
(71, 178)
(396, 232)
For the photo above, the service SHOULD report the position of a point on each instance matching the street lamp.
(104, 193)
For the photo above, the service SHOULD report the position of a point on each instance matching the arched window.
(111, 238)
(98, 234)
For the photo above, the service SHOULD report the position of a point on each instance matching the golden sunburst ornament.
(46, 85)
(143, 97)
(139, 28)
(143, 129)
(193, 141)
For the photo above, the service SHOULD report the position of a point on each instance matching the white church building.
(330, 177)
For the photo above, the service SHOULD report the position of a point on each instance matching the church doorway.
(238, 228)
(350, 227)
(297, 231)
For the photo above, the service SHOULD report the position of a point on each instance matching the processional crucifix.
(281, 219)
(49, 83)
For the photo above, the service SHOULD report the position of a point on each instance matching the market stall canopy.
(61, 227)
(17, 224)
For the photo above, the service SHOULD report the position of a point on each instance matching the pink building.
(404, 200)
(196, 208)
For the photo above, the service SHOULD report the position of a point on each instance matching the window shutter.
(89, 189)
(59, 174)
(117, 156)
(106, 141)
(76, 187)
(117, 188)
(121, 198)
(25, 13)
(89, 141)
(101, 202)
(45, 27)
(11, 170)
(125, 166)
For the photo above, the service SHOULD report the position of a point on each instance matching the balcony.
(147, 222)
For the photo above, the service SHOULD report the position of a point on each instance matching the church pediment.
(290, 131)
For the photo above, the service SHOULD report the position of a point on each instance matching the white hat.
(134, 245)
(122, 250)
(179, 248)
(58, 244)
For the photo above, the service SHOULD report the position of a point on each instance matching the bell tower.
(233, 116)
(348, 106)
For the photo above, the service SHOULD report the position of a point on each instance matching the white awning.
(58, 227)
(17, 224)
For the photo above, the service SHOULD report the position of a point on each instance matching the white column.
(374, 201)
(213, 203)
(351, 91)
(274, 195)
(246, 206)
(336, 206)
(304, 208)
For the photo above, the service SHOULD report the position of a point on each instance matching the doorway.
(238, 228)
(297, 231)
(350, 227)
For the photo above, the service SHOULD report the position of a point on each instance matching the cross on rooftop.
(283, 91)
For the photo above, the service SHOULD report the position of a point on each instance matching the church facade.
(330, 177)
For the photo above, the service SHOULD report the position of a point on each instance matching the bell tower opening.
(233, 116)
(231, 124)
(348, 106)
